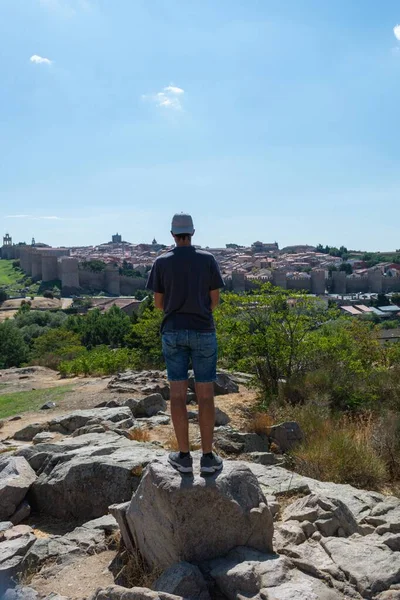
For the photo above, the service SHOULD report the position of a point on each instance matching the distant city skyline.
(265, 119)
(170, 242)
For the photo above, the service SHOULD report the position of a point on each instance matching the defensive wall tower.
(339, 282)
(112, 281)
(375, 281)
(36, 265)
(50, 262)
(69, 274)
(26, 260)
(238, 281)
(279, 279)
(49, 268)
(318, 283)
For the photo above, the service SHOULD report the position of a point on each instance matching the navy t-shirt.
(185, 275)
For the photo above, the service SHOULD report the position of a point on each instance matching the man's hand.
(159, 300)
(214, 295)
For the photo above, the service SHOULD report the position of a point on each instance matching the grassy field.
(19, 402)
(14, 281)
(9, 275)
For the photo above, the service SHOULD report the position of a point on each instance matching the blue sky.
(266, 119)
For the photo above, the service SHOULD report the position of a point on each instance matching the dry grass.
(139, 435)
(342, 450)
(134, 572)
(113, 541)
(260, 423)
(172, 444)
(9, 449)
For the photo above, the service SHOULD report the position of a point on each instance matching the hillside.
(9, 275)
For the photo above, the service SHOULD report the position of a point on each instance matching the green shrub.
(100, 361)
(56, 346)
(96, 328)
(13, 349)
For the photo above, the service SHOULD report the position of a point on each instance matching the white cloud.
(171, 89)
(39, 60)
(396, 31)
(170, 97)
(17, 216)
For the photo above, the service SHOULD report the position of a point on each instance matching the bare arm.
(159, 300)
(214, 295)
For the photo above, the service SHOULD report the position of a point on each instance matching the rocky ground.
(255, 531)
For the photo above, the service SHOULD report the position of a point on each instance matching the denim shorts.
(185, 347)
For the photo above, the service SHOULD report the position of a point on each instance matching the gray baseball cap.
(182, 223)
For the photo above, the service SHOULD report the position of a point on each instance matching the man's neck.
(183, 244)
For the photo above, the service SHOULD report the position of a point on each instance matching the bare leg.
(179, 413)
(205, 398)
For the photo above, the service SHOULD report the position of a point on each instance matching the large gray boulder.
(141, 383)
(174, 518)
(16, 477)
(331, 516)
(183, 579)
(266, 458)
(224, 384)
(385, 516)
(43, 436)
(221, 418)
(12, 552)
(231, 441)
(245, 573)
(115, 592)
(69, 423)
(21, 593)
(286, 435)
(367, 563)
(27, 433)
(55, 548)
(146, 407)
(278, 481)
(80, 477)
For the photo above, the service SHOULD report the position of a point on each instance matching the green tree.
(142, 294)
(34, 323)
(55, 340)
(13, 349)
(56, 346)
(3, 295)
(345, 266)
(268, 334)
(97, 328)
(93, 265)
(145, 337)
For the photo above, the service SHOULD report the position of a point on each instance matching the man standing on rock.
(186, 283)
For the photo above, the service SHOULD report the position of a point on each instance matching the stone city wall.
(49, 264)
(318, 283)
(56, 264)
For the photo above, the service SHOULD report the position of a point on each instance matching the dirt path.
(89, 392)
(80, 579)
